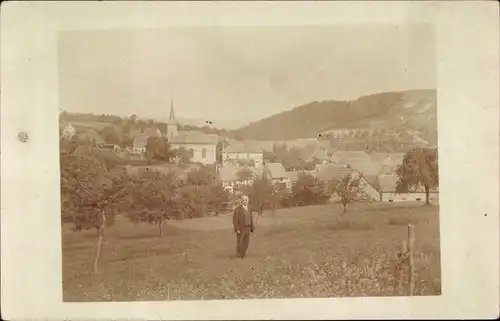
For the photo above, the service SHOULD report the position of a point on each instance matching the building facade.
(242, 153)
(201, 146)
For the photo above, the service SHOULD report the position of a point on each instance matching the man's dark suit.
(243, 223)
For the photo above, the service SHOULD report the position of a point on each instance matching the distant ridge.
(411, 110)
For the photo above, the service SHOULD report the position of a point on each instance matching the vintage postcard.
(194, 160)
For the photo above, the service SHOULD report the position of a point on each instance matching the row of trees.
(93, 193)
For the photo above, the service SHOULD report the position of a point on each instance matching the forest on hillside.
(311, 119)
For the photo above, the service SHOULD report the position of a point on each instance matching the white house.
(387, 184)
(242, 152)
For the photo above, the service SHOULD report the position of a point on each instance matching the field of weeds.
(300, 252)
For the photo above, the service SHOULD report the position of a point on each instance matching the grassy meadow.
(300, 252)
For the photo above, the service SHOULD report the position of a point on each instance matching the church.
(201, 146)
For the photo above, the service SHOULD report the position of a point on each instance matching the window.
(204, 153)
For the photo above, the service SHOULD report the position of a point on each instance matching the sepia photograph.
(207, 163)
(250, 160)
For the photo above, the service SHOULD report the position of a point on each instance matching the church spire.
(172, 119)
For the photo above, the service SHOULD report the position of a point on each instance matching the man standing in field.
(243, 226)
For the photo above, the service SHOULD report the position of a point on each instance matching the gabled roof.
(346, 157)
(249, 147)
(331, 171)
(367, 167)
(293, 175)
(372, 180)
(194, 137)
(276, 170)
(378, 156)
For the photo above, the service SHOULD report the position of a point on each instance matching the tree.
(204, 175)
(152, 197)
(158, 149)
(307, 191)
(419, 169)
(90, 195)
(219, 199)
(262, 194)
(183, 154)
(245, 174)
(111, 136)
(347, 189)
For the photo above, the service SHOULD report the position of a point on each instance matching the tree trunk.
(160, 225)
(344, 208)
(100, 240)
(426, 194)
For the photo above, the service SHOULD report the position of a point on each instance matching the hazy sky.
(240, 73)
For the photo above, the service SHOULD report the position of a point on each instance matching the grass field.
(300, 252)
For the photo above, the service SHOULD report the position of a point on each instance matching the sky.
(234, 75)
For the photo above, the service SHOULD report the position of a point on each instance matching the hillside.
(413, 110)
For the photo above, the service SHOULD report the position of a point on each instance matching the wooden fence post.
(411, 263)
(401, 267)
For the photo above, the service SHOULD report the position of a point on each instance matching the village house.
(331, 173)
(316, 154)
(240, 152)
(277, 174)
(387, 185)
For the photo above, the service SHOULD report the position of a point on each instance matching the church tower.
(172, 125)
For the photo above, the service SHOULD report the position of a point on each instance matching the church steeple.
(172, 125)
(171, 118)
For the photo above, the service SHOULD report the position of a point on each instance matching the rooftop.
(194, 137)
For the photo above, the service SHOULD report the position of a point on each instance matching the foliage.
(193, 201)
(245, 174)
(87, 190)
(308, 191)
(262, 194)
(419, 169)
(183, 154)
(347, 189)
(158, 149)
(151, 197)
(111, 135)
(82, 117)
(205, 175)
(219, 199)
